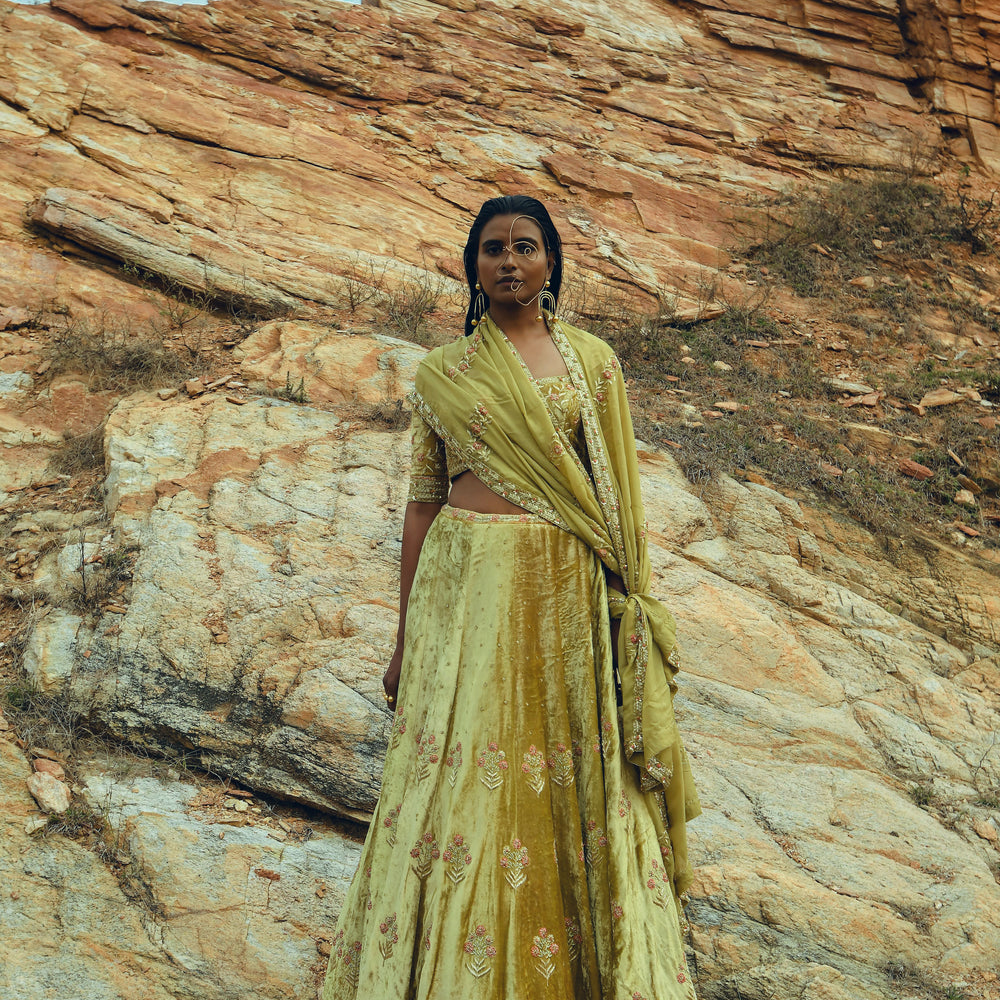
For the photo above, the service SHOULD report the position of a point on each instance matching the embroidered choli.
(433, 466)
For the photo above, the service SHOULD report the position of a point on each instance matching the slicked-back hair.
(511, 204)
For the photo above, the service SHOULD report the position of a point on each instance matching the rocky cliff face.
(841, 709)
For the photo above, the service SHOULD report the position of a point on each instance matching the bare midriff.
(469, 492)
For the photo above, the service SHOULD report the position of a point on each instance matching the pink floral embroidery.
(390, 936)
(390, 824)
(561, 765)
(352, 963)
(624, 804)
(493, 762)
(424, 853)
(398, 729)
(481, 950)
(453, 762)
(596, 842)
(543, 950)
(514, 859)
(574, 938)
(681, 978)
(533, 768)
(427, 754)
(457, 857)
(616, 910)
(659, 881)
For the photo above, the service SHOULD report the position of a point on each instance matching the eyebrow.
(496, 241)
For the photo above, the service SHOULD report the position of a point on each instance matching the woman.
(529, 839)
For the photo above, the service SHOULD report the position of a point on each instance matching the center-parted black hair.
(511, 204)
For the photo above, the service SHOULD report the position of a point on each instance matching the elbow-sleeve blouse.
(433, 466)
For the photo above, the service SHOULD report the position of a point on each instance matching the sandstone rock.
(940, 397)
(45, 766)
(51, 794)
(986, 830)
(965, 497)
(260, 159)
(334, 367)
(254, 523)
(845, 385)
(914, 469)
(52, 649)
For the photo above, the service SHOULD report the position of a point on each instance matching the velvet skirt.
(512, 855)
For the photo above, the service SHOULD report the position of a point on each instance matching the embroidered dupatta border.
(606, 496)
(481, 469)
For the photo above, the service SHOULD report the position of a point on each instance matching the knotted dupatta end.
(647, 665)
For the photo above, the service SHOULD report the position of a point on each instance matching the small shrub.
(409, 302)
(80, 453)
(362, 281)
(79, 820)
(103, 579)
(41, 719)
(922, 794)
(113, 355)
(390, 415)
(291, 391)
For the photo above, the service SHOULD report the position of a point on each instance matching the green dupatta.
(479, 397)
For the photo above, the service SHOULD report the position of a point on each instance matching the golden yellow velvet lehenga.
(528, 841)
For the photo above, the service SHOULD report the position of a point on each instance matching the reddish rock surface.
(253, 155)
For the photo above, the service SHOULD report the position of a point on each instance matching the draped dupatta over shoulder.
(480, 398)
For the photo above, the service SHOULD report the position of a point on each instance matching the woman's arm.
(416, 523)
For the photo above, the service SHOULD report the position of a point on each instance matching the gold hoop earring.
(478, 307)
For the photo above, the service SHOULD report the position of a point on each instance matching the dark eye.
(524, 249)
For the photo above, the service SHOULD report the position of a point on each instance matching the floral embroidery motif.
(493, 762)
(681, 978)
(478, 424)
(479, 421)
(624, 804)
(543, 950)
(596, 842)
(637, 996)
(557, 450)
(453, 762)
(533, 768)
(352, 964)
(617, 912)
(424, 853)
(457, 857)
(390, 936)
(664, 842)
(514, 859)
(561, 765)
(390, 824)
(607, 743)
(398, 728)
(427, 754)
(467, 358)
(574, 939)
(659, 882)
(481, 950)
(509, 491)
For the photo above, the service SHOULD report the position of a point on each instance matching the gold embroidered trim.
(509, 491)
(427, 489)
(601, 477)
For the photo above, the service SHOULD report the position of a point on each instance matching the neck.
(520, 322)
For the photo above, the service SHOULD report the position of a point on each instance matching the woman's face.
(512, 264)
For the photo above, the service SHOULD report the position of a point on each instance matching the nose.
(507, 261)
